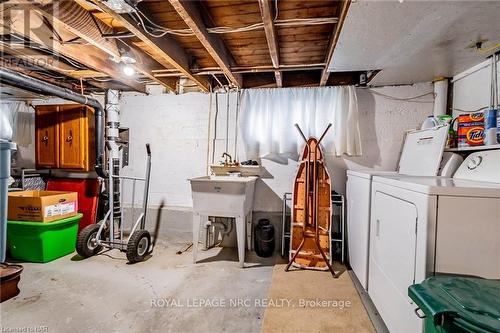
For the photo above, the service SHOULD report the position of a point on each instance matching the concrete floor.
(105, 294)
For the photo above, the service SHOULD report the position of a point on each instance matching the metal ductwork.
(27, 83)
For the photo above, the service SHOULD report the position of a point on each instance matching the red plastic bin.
(88, 196)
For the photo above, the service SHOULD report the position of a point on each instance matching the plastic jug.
(430, 122)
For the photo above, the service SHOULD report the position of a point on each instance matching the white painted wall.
(177, 128)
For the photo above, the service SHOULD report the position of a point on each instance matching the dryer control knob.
(474, 162)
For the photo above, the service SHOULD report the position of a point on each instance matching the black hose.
(27, 83)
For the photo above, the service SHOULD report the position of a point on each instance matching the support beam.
(35, 58)
(194, 18)
(29, 24)
(333, 41)
(272, 37)
(5, 63)
(165, 47)
(80, 22)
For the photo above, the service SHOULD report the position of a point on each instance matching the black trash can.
(264, 238)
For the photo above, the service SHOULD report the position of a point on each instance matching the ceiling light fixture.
(128, 70)
(121, 6)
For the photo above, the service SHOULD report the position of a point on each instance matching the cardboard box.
(42, 206)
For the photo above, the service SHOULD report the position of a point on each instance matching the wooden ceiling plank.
(38, 59)
(87, 55)
(193, 17)
(74, 18)
(36, 74)
(333, 42)
(272, 37)
(166, 47)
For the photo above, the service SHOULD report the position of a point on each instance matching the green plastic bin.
(42, 242)
(458, 304)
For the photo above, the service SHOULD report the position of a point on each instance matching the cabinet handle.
(45, 138)
(377, 228)
(70, 136)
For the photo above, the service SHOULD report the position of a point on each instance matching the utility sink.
(224, 196)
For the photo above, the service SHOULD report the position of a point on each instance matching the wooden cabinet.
(64, 137)
(46, 137)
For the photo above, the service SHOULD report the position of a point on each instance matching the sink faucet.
(226, 155)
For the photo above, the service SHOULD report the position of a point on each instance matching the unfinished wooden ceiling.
(84, 44)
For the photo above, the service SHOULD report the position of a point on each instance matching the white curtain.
(267, 118)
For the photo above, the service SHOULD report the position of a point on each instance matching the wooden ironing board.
(310, 239)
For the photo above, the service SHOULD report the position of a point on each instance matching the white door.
(358, 225)
(392, 261)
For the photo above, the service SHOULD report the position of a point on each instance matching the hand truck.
(109, 234)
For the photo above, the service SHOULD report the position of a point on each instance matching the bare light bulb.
(128, 70)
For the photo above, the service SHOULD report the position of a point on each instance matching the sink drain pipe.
(27, 83)
(216, 223)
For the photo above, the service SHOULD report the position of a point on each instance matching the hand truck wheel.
(138, 246)
(86, 245)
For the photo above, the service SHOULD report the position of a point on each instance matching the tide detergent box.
(471, 129)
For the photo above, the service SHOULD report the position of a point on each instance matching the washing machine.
(421, 155)
(423, 226)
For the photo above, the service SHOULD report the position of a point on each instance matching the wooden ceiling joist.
(194, 18)
(87, 55)
(35, 58)
(165, 47)
(272, 37)
(80, 22)
(37, 75)
(333, 41)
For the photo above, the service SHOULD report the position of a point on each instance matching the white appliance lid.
(442, 186)
(369, 173)
(422, 151)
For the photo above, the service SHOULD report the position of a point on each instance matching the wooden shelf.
(471, 149)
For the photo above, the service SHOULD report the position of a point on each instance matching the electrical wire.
(407, 99)
(158, 31)
(215, 127)
(209, 128)
(162, 30)
(227, 123)
(278, 23)
(100, 80)
(238, 95)
(470, 111)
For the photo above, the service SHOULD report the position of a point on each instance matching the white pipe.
(440, 96)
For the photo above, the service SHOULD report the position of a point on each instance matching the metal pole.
(283, 224)
(111, 201)
(300, 131)
(324, 133)
(146, 186)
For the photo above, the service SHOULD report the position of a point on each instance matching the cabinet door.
(72, 137)
(46, 137)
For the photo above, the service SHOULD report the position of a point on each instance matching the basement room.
(250, 166)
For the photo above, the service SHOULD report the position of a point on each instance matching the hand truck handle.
(148, 149)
